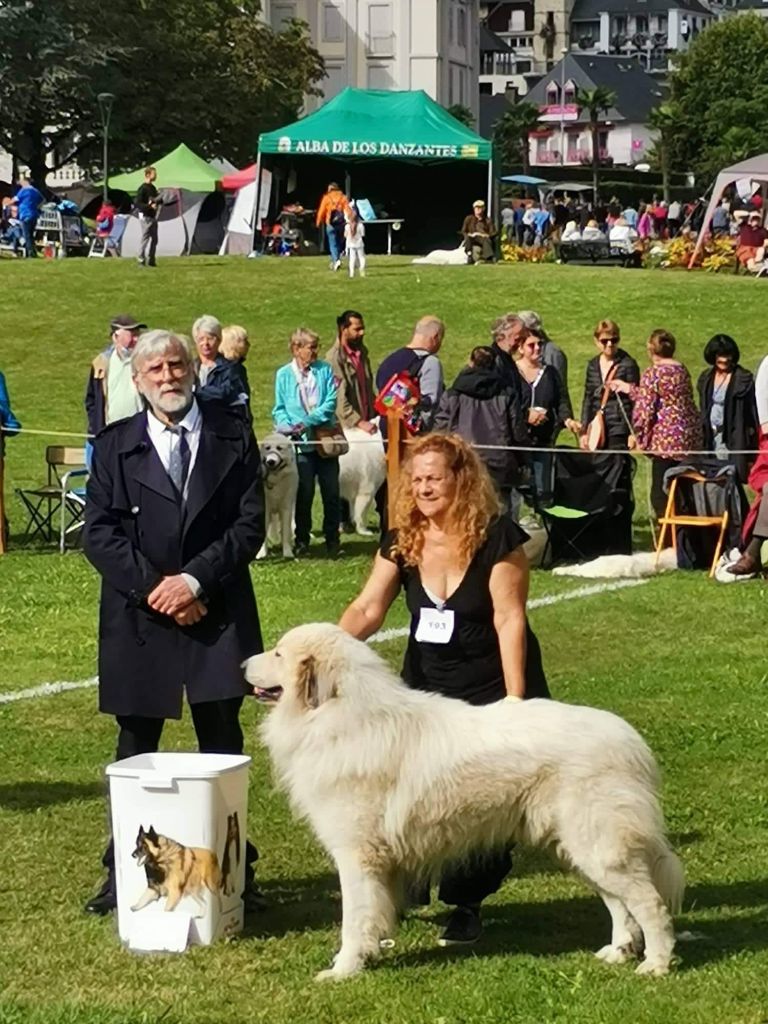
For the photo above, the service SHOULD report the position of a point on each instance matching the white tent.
(239, 236)
(756, 168)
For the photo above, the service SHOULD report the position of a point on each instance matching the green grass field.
(680, 657)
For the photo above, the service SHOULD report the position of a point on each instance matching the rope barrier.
(563, 449)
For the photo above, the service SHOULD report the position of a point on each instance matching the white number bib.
(435, 626)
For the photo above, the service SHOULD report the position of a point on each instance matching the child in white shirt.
(354, 233)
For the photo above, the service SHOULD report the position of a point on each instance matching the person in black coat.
(612, 363)
(508, 333)
(728, 405)
(484, 410)
(174, 515)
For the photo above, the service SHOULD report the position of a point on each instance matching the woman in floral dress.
(665, 418)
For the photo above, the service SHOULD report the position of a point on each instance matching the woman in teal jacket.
(305, 398)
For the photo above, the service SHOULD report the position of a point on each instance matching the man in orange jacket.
(331, 211)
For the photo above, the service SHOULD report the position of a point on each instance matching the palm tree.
(596, 102)
(510, 134)
(663, 120)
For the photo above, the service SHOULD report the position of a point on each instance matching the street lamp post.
(563, 53)
(106, 99)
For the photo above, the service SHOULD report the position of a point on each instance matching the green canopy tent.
(375, 124)
(195, 222)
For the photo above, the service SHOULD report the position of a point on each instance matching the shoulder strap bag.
(596, 428)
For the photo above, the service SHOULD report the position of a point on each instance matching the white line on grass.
(49, 689)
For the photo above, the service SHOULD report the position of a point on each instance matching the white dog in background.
(362, 470)
(620, 567)
(396, 783)
(281, 483)
(444, 258)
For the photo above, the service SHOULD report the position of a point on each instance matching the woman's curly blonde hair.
(475, 504)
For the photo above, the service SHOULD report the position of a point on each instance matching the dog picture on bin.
(174, 870)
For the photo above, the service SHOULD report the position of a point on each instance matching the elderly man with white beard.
(174, 516)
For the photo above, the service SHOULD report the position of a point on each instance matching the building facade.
(563, 137)
(391, 44)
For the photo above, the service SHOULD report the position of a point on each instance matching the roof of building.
(491, 108)
(490, 42)
(637, 93)
(751, 5)
(589, 10)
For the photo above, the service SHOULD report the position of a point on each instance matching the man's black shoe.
(105, 900)
(464, 927)
(254, 900)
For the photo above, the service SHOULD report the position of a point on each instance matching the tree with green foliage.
(463, 114)
(719, 93)
(209, 73)
(511, 135)
(595, 101)
(663, 120)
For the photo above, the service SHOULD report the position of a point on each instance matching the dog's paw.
(363, 531)
(653, 968)
(615, 954)
(337, 974)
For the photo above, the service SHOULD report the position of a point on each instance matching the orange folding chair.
(672, 519)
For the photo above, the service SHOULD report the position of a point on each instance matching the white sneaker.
(337, 264)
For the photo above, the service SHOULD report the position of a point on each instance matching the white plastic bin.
(179, 823)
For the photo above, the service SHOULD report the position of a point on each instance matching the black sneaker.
(464, 927)
(299, 550)
(333, 548)
(254, 899)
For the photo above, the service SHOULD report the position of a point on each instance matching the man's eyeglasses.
(608, 341)
(175, 367)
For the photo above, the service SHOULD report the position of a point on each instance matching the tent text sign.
(351, 147)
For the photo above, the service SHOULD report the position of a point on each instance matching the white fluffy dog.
(444, 258)
(620, 567)
(281, 483)
(396, 782)
(362, 470)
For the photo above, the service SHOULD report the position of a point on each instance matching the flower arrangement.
(512, 253)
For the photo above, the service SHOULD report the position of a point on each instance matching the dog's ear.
(151, 834)
(307, 681)
(312, 687)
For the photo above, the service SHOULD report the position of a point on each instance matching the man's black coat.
(135, 533)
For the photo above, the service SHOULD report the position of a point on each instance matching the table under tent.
(193, 217)
(412, 160)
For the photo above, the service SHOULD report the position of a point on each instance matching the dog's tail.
(669, 878)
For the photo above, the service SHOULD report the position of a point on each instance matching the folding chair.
(592, 510)
(57, 506)
(109, 245)
(672, 518)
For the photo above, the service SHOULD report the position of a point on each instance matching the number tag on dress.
(435, 626)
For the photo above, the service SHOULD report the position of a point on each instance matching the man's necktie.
(178, 467)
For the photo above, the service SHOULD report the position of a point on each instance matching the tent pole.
(489, 198)
(347, 184)
(257, 204)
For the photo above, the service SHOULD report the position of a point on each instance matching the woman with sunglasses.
(611, 363)
(545, 409)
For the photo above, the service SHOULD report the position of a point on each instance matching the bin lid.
(177, 765)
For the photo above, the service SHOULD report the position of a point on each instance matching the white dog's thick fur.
(362, 470)
(281, 484)
(396, 782)
(619, 567)
(444, 257)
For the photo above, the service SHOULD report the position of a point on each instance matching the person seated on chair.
(111, 393)
(478, 232)
(592, 232)
(11, 230)
(105, 219)
(755, 530)
(622, 236)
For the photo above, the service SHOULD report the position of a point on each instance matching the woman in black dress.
(728, 405)
(462, 567)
